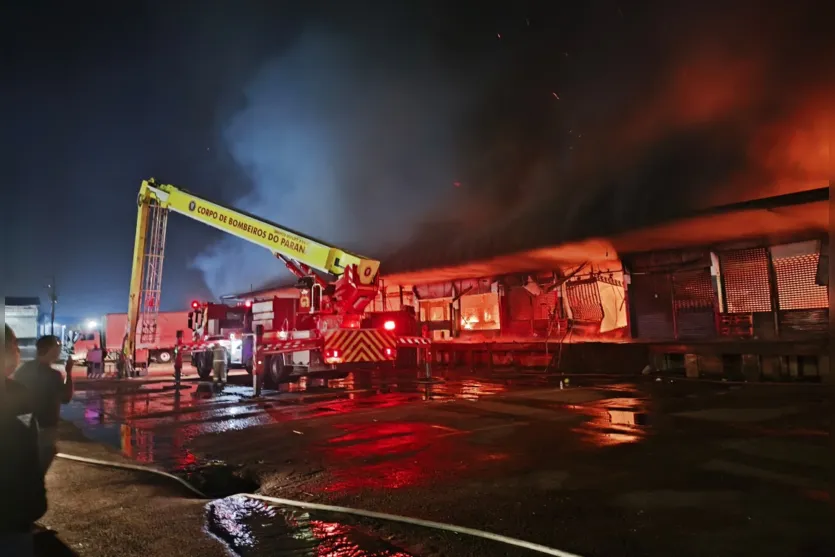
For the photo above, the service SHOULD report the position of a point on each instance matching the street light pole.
(53, 299)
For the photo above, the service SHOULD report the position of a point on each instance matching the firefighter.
(219, 360)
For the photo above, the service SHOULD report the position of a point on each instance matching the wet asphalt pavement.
(593, 466)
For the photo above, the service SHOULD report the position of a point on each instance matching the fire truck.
(228, 326)
(326, 327)
(299, 350)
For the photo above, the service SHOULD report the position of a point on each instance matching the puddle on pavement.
(218, 479)
(613, 421)
(250, 528)
(164, 442)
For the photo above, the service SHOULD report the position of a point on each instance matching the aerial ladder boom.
(356, 276)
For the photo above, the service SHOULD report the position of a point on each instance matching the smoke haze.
(338, 148)
(550, 124)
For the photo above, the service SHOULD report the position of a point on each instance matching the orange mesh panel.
(796, 286)
(693, 290)
(745, 276)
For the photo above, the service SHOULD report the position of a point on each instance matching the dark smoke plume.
(686, 110)
(532, 128)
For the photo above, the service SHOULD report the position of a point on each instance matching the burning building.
(705, 293)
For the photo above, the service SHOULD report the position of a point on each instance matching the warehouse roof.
(22, 301)
(774, 219)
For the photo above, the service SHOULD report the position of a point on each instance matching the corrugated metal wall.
(529, 314)
(672, 296)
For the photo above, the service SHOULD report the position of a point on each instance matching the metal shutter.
(521, 304)
(695, 304)
(745, 279)
(520, 310)
(804, 323)
(650, 296)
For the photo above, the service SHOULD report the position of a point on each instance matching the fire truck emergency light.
(389, 325)
(248, 303)
(195, 304)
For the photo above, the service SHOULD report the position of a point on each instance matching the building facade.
(736, 292)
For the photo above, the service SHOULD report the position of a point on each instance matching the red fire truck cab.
(281, 338)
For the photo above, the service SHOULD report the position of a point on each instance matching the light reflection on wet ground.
(251, 527)
(412, 448)
(154, 423)
(614, 421)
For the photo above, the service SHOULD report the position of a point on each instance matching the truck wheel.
(248, 366)
(279, 373)
(164, 357)
(203, 365)
(204, 371)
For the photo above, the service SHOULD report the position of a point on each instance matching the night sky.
(431, 129)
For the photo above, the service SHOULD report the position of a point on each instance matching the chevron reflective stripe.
(361, 345)
(414, 341)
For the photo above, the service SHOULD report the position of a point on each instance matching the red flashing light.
(332, 356)
(195, 304)
(389, 325)
(248, 303)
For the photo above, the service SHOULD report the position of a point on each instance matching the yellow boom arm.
(279, 240)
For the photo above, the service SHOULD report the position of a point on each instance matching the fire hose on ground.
(334, 508)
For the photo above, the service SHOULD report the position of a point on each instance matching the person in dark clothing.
(47, 391)
(22, 489)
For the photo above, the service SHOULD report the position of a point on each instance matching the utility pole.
(53, 299)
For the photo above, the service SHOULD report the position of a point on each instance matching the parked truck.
(21, 314)
(227, 326)
(110, 332)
